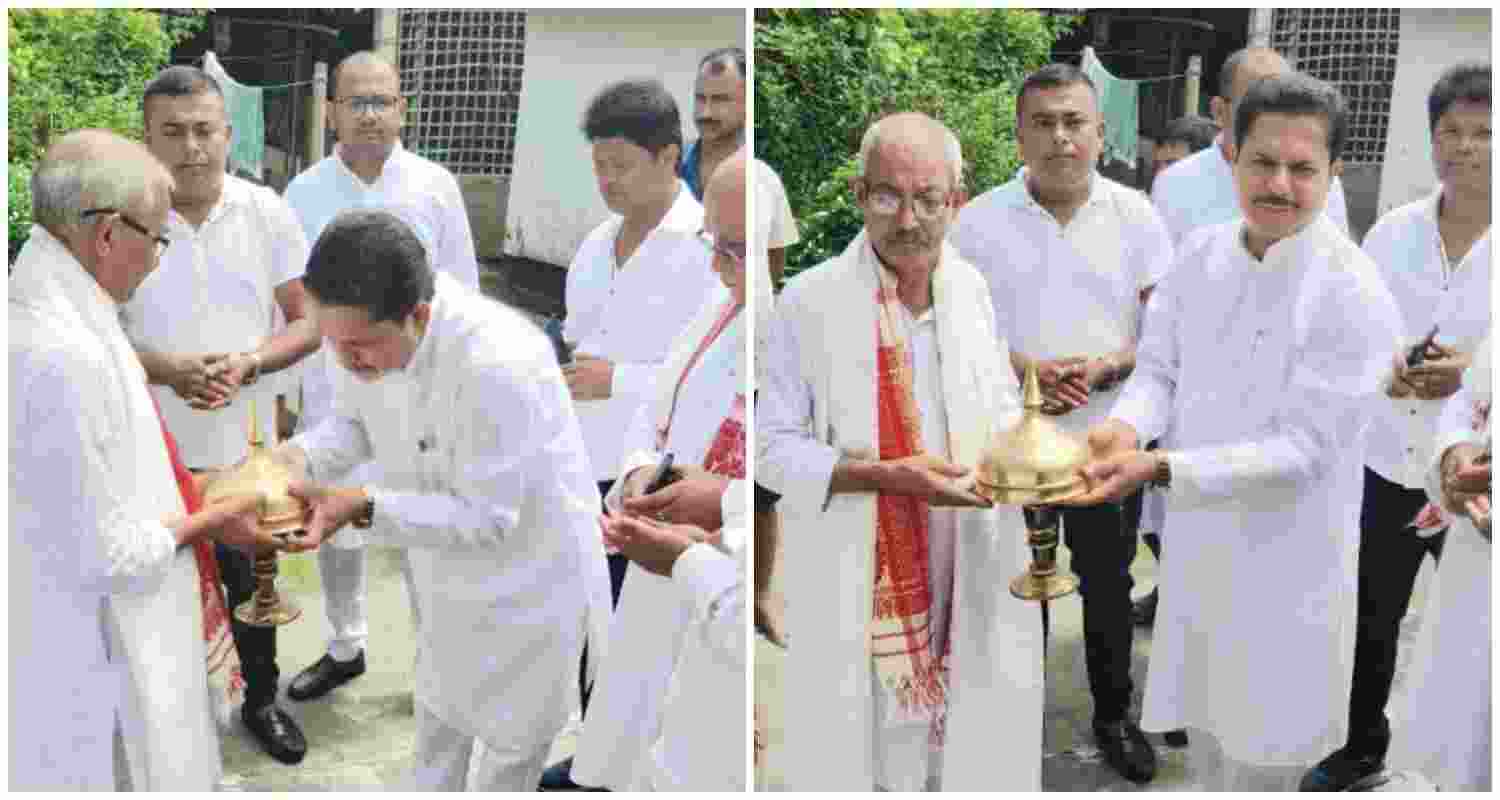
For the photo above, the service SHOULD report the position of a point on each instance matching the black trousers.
(617, 565)
(1389, 556)
(1102, 540)
(255, 645)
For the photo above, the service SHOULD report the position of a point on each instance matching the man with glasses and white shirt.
(368, 169)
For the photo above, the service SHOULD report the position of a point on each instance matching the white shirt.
(1069, 290)
(775, 228)
(1406, 246)
(106, 618)
(422, 193)
(1258, 376)
(631, 315)
(215, 292)
(484, 480)
(1199, 191)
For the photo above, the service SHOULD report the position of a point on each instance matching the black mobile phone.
(663, 477)
(1418, 352)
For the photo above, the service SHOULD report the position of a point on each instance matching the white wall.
(554, 202)
(1431, 41)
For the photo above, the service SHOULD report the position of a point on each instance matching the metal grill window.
(461, 73)
(1355, 50)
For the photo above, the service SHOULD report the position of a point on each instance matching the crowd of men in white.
(1313, 441)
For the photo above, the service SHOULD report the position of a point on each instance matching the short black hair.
(371, 260)
(639, 111)
(180, 81)
(1468, 81)
(725, 56)
(1051, 76)
(1294, 93)
(1197, 132)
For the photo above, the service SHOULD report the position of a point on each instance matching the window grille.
(1355, 50)
(461, 74)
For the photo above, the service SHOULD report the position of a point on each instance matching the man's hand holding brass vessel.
(238, 525)
(328, 510)
(938, 481)
(1116, 466)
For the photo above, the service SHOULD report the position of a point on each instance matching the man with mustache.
(1068, 254)
(1259, 365)
(884, 377)
(203, 325)
(368, 168)
(1200, 190)
(1434, 254)
(719, 113)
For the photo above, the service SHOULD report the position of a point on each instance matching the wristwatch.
(1162, 479)
(366, 516)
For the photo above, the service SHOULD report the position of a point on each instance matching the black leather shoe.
(1143, 611)
(1126, 750)
(324, 676)
(559, 778)
(276, 731)
(1177, 738)
(1340, 770)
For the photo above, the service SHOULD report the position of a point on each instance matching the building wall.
(553, 202)
(1431, 41)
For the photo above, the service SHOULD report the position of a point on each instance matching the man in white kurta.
(460, 404)
(368, 169)
(106, 628)
(1258, 370)
(1199, 191)
(818, 446)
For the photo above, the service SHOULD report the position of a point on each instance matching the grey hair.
(81, 178)
(953, 155)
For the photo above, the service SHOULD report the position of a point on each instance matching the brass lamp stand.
(1035, 465)
(279, 513)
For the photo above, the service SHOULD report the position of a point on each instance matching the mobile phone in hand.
(663, 477)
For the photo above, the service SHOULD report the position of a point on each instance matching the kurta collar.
(423, 358)
(1283, 250)
(685, 216)
(1016, 194)
(235, 193)
(390, 169)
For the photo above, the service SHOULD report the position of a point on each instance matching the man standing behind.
(1434, 254)
(368, 169)
(202, 325)
(1200, 190)
(1258, 371)
(483, 479)
(884, 374)
(1184, 136)
(1068, 254)
(106, 627)
(719, 113)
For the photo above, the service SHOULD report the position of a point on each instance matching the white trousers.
(446, 757)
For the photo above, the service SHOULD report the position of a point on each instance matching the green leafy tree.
(823, 76)
(78, 68)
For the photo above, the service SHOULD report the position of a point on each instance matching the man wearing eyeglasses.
(204, 326)
(368, 169)
(1069, 256)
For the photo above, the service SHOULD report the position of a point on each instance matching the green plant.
(823, 76)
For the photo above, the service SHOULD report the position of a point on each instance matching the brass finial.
(1034, 462)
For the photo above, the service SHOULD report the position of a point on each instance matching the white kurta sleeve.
(789, 459)
(1145, 403)
(711, 585)
(62, 468)
(1346, 343)
(456, 243)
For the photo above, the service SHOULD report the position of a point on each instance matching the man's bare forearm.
(289, 346)
(160, 367)
(855, 475)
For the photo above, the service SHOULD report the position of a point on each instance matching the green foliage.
(18, 207)
(823, 76)
(79, 68)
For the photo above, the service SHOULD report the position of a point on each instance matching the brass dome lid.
(263, 476)
(1033, 463)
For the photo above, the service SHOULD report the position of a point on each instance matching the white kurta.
(651, 621)
(105, 617)
(1445, 730)
(818, 403)
(1259, 376)
(484, 480)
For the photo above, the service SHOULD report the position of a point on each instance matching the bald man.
(106, 632)
(884, 375)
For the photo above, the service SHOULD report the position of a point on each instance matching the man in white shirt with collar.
(884, 378)
(1069, 255)
(1258, 370)
(1200, 190)
(368, 169)
(637, 280)
(483, 479)
(203, 325)
(1434, 254)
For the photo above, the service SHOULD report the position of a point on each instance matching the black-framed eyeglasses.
(161, 241)
(374, 103)
(734, 251)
